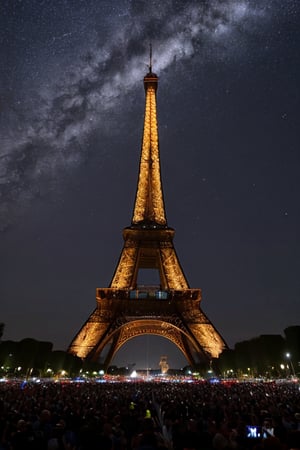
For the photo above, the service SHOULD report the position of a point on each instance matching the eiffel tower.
(126, 309)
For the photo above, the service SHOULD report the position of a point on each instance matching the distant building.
(163, 364)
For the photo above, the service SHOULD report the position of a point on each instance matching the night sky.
(71, 121)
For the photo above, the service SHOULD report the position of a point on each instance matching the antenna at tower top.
(150, 64)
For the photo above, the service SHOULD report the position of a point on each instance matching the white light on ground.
(133, 374)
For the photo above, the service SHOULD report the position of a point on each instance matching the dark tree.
(1, 329)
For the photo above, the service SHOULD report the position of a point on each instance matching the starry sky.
(71, 119)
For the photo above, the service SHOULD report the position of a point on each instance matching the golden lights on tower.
(149, 203)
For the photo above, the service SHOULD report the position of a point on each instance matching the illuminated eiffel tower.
(125, 309)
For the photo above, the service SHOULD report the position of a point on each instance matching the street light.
(288, 356)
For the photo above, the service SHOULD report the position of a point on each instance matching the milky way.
(47, 119)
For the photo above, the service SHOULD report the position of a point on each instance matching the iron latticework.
(171, 309)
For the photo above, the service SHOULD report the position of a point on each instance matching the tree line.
(266, 355)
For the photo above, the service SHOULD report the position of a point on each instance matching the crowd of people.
(149, 415)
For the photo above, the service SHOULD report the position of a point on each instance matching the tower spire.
(150, 64)
(149, 209)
